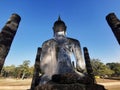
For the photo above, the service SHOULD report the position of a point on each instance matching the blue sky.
(85, 20)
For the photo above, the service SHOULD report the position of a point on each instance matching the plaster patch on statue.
(60, 33)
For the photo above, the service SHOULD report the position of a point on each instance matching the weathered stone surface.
(75, 86)
(56, 54)
(88, 65)
(114, 23)
(58, 71)
(6, 37)
(70, 78)
(69, 81)
(36, 78)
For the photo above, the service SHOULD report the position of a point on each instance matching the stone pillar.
(88, 64)
(36, 77)
(114, 23)
(6, 37)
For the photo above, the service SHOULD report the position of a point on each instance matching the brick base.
(75, 86)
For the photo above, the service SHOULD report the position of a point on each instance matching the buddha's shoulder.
(73, 40)
(49, 41)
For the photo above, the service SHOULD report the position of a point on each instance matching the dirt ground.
(15, 84)
(109, 84)
(18, 84)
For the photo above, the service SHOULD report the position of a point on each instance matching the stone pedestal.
(69, 81)
(75, 86)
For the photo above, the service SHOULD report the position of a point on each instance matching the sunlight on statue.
(56, 54)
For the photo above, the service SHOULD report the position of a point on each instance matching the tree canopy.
(24, 70)
(100, 68)
(20, 71)
(115, 67)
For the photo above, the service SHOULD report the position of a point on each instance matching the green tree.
(9, 71)
(24, 68)
(115, 67)
(20, 71)
(31, 69)
(100, 68)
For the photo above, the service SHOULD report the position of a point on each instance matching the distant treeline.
(25, 71)
(20, 71)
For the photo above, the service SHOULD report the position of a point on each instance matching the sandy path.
(14, 87)
(110, 83)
